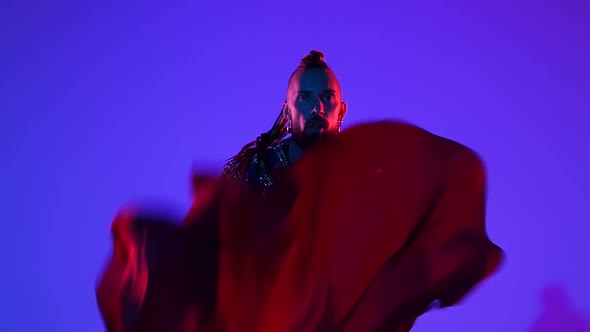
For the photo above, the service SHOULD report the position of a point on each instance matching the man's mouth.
(316, 124)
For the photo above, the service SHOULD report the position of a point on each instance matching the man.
(396, 225)
(313, 109)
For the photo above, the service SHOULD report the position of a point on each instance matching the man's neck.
(295, 150)
(297, 147)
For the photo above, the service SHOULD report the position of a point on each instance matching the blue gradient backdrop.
(104, 103)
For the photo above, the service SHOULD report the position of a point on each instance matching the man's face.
(314, 104)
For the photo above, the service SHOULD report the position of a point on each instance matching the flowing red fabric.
(364, 233)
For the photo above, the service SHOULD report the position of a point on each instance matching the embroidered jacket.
(257, 172)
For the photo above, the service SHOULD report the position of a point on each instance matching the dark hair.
(313, 60)
(278, 131)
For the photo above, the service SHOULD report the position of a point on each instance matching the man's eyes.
(329, 97)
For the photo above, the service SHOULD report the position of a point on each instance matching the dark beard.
(308, 141)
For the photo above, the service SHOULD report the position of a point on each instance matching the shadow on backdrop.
(558, 312)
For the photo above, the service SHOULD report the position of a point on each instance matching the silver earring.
(289, 127)
(339, 126)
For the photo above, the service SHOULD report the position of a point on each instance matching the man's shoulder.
(280, 150)
(230, 169)
(275, 155)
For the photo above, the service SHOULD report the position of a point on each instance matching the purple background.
(109, 102)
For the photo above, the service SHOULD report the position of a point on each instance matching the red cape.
(363, 234)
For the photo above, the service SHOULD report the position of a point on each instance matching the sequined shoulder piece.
(258, 170)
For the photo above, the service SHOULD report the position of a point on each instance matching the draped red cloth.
(364, 233)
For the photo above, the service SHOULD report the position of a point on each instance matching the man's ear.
(286, 111)
(342, 111)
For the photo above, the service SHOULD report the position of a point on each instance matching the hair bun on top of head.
(314, 57)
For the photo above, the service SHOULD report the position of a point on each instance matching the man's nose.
(318, 108)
